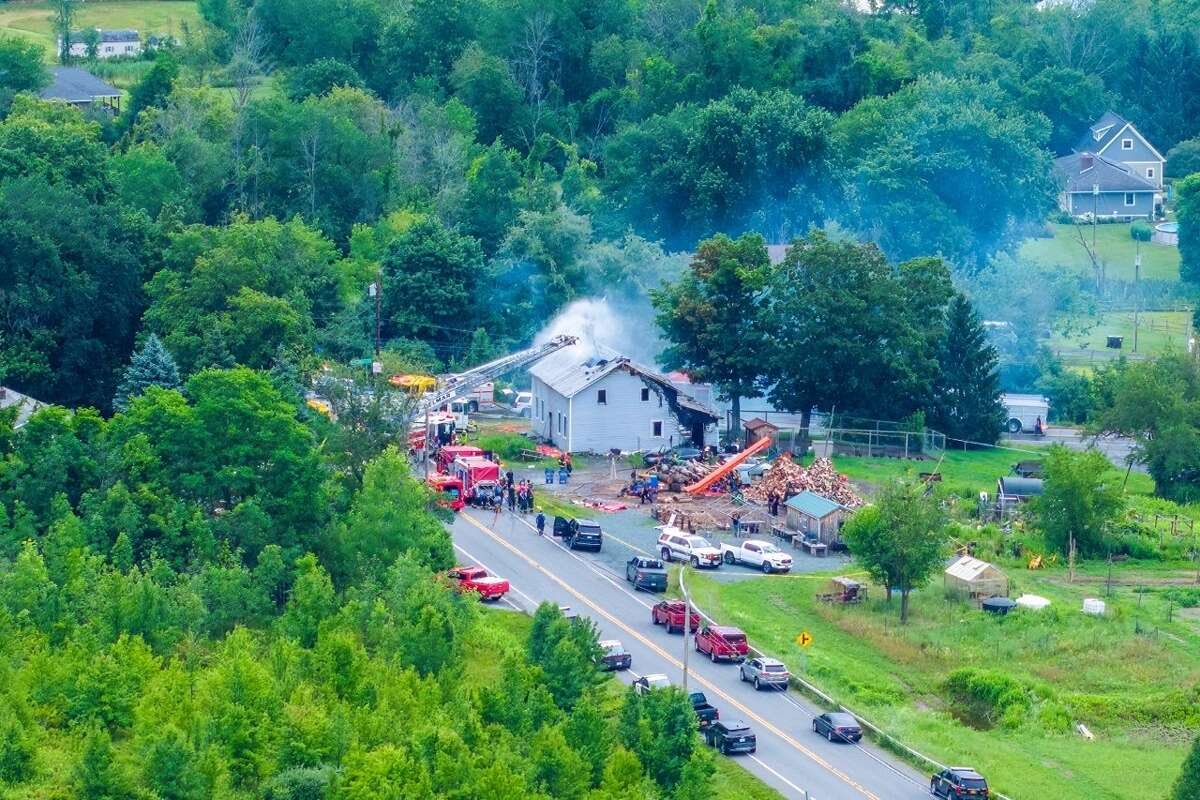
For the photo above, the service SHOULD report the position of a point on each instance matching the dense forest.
(491, 161)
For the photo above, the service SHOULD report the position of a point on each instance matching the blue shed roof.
(814, 505)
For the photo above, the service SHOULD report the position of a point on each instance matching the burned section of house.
(598, 403)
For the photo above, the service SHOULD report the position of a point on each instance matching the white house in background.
(112, 44)
(25, 404)
(593, 404)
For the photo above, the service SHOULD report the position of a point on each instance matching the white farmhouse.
(109, 44)
(599, 403)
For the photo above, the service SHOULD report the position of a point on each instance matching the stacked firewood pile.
(691, 520)
(786, 478)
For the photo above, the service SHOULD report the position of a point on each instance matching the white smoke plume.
(604, 326)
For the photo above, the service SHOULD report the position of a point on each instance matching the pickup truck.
(476, 579)
(722, 643)
(757, 553)
(705, 714)
(670, 613)
(646, 573)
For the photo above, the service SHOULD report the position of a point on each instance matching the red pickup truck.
(722, 643)
(670, 613)
(476, 579)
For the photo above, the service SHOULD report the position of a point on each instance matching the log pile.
(787, 478)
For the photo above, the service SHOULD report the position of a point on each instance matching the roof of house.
(1100, 133)
(813, 504)
(76, 85)
(566, 373)
(116, 35)
(27, 405)
(757, 423)
(1080, 171)
(968, 568)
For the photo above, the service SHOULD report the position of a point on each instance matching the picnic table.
(812, 546)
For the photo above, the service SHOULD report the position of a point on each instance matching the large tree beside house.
(1187, 211)
(711, 318)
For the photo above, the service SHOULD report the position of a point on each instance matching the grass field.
(964, 472)
(1121, 682)
(32, 20)
(1158, 332)
(1113, 245)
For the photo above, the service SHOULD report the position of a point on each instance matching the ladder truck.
(426, 415)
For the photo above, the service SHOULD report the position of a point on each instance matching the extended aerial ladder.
(464, 382)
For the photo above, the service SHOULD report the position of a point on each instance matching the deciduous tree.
(1080, 496)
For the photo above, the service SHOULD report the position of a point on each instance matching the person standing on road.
(512, 497)
(541, 523)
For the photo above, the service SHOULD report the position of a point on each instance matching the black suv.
(578, 534)
(646, 573)
(730, 737)
(958, 782)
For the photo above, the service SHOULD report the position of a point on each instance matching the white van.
(1023, 411)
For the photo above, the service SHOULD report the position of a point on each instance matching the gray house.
(25, 405)
(1113, 172)
(81, 89)
(604, 402)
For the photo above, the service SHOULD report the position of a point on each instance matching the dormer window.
(1127, 144)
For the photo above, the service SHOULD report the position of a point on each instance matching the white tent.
(1032, 601)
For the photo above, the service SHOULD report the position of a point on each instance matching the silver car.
(765, 672)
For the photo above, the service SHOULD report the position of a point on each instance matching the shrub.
(1141, 231)
(507, 446)
(1183, 596)
(988, 697)
(1054, 718)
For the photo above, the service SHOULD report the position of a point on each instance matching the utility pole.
(1095, 223)
(1137, 292)
(377, 292)
(687, 623)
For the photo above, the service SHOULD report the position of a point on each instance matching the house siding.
(1141, 150)
(623, 421)
(1112, 204)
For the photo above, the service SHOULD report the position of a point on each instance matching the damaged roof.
(566, 373)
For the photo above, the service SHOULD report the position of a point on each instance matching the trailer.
(1024, 411)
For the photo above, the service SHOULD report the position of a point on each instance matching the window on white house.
(1130, 199)
(602, 396)
(1127, 144)
(657, 427)
(1149, 172)
(645, 394)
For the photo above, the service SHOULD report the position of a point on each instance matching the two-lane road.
(790, 756)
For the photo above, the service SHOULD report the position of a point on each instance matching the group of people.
(517, 494)
(645, 490)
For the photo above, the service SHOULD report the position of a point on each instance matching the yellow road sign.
(804, 639)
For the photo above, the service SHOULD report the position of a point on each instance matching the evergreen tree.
(97, 776)
(1187, 785)
(150, 366)
(966, 401)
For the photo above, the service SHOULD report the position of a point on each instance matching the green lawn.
(1134, 690)
(32, 20)
(1158, 332)
(1114, 246)
(964, 472)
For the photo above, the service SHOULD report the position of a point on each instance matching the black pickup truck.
(705, 714)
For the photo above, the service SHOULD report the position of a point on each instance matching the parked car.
(646, 573)
(578, 534)
(705, 714)
(523, 404)
(731, 737)
(757, 553)
(838, 726)
(476, 579)
(675, 544)
(722, 643)
(672, 455)
(648, 683)
(670, 613)
(765, 672)
(958, 782)
(614, 657)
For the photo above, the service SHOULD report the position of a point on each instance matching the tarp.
(1032, 601)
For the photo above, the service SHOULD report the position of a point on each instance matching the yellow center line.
(671, 659)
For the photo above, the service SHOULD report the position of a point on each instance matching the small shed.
(759, 429)
(816, 516)
(975, 579)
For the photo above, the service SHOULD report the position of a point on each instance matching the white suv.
(675, 544)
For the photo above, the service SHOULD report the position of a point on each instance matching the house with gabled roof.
(599, 401)
(1113, 172)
